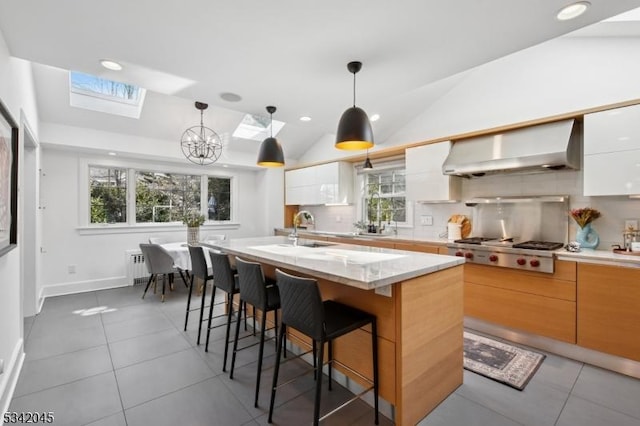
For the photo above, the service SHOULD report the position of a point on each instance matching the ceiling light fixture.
(111, 65)
(367, 163)
(354, 129)
(573, 10)
(270, 154)
(305, 118)
(200, 144)
(374, 117)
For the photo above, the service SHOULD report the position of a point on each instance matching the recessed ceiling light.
(374, 117)
(573, 10)
(112, 153)
(230, 97)
(305, 118)
(111, 65)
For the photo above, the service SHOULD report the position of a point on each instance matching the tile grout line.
(113, 369)
(569, 395)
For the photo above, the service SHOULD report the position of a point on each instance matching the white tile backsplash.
(615, 210)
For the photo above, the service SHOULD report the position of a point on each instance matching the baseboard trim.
(599, 359)
(9, 379)
(82, 287)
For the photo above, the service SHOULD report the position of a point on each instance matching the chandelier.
(200, 144)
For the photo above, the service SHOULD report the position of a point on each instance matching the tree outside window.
(165, 197)
(108, 194)
(384, 197)
(219, 199)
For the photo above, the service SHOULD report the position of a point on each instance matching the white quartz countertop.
(604, 257)
(355, 265)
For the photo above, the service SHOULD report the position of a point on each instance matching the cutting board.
(465, 229)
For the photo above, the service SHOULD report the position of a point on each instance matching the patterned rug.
(499, 361)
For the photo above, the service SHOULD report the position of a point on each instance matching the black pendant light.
(354, 129)
(367, 163)
(270, 154)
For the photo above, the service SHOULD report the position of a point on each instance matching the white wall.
(98, 255)
(17, 93)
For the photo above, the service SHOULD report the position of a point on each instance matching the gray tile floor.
(111, 358)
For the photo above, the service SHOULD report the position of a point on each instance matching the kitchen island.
(416, 297)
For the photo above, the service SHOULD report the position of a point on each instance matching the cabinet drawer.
(535, 283)
(535, 314)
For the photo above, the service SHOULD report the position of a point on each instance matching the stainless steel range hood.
(550, 146)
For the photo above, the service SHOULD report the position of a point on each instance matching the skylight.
(100, 94)
(257, 127)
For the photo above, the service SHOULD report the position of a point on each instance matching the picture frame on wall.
(8, 181)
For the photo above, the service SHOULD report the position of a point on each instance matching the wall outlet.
(426, 219)
(338, 219)
(71, 269)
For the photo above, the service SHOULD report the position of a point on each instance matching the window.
(99, 94)
(384, 197)
(165, 197)
(219, 199)
(257, 127)
(156, 197)
(108, 195)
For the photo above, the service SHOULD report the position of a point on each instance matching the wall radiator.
(137, 272)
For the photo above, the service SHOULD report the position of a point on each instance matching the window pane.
(219, 199)
(165, 197)
(398, 183)
(384, 197)
(108, 194)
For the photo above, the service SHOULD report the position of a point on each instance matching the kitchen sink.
(315, 244)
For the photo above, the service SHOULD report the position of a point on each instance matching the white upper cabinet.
(424, 178)
(330, 183)
(612, 152)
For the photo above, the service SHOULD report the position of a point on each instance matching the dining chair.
(158, 262)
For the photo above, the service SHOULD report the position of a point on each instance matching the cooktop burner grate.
(473, 240)
(538, 245)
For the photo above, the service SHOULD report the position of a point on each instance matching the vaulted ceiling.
(286, 53)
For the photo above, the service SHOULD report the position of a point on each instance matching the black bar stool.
(303, 309)
(199, 270)
(263, 295)
(226, 279)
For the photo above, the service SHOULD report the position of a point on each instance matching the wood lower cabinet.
(609, 309)
(535, 302)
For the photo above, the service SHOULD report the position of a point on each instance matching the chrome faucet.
(302, 213)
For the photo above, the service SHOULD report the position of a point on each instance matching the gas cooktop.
(508, 242)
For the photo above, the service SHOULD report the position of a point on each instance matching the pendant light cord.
(354, 89)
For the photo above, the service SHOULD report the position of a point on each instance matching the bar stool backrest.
(253, 289)
(301, 304)
(157, 259)
(198, 262)
(223, 276)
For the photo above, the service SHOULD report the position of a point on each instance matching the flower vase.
(193, 234)
(587, 237)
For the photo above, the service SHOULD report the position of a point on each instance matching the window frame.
(361, 182)
(84, 209)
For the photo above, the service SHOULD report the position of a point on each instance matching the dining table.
(179, 251)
